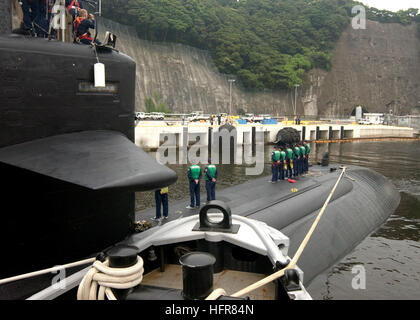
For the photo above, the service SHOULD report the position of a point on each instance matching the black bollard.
(197, 275)
(122, 256)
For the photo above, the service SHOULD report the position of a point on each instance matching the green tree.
(266, 43)
(155, 104)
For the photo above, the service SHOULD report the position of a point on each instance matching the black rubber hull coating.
(346, 222)
(356, 209)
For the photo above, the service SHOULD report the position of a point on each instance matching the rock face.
(186, 80)
(378, 67)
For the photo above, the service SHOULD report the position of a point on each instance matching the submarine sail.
(68, 163)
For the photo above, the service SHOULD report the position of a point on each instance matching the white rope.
(101, 278)
(44, 271)
(216, 293)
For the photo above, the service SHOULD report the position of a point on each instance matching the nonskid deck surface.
(230, 280)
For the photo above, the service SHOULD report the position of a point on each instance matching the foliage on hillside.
(266, 43)
(404, 17)
(155, 104)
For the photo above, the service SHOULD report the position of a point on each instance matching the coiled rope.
(101, 278)
(219, 292)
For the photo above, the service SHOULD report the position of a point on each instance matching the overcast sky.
(393, 5)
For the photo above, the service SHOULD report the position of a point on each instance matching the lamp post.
(230, 95)
(296, 86)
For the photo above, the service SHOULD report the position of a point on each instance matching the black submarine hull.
(47, 89)
(362, 202)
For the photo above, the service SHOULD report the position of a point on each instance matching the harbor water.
(386, 264)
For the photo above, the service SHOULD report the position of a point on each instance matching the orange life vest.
(76, 25)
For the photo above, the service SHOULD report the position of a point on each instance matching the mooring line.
(218, 292)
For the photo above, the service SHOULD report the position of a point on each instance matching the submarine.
(71, 170)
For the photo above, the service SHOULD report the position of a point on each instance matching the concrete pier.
(149, 135)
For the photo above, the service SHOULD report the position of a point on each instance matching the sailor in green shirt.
(302, 158)
(283, 163)
(308, 150)
(194, 176)
(296, 161)
(289, 161)
(210, 176)
(275, 162)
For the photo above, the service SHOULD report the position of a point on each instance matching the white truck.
(157, 116)
(250, 117)
(140, 116)
(198, 116)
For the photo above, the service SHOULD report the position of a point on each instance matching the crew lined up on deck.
(289, 161)
(37, 19)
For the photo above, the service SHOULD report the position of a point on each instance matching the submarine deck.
(362, 202)
(230, 280)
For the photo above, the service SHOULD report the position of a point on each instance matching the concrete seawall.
(149, 135)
